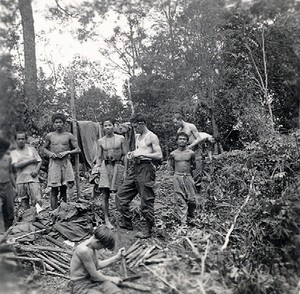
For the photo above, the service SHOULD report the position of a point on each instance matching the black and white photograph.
(150, 146)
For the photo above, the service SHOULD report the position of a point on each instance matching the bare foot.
(109, 225)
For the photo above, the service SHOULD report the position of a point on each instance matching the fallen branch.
(236, 216)
(12, 240)
(6, 235)
(162, 279)
(194, 248)
(203, 260)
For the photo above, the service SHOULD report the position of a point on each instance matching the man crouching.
(85, 269)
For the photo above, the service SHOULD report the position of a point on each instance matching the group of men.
(112, 163)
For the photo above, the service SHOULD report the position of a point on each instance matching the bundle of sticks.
(55, 261)
(140, 253)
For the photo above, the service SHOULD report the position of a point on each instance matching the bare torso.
(112, 147)
(77, 268)
(182, 160)
(5, 166)
(60, 142)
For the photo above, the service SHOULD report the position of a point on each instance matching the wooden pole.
(74, 124)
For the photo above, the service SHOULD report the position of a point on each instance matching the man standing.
(111, 156)
(141, 178)
(27, 162)
(59, 145)
(7, 186)
(189, 129)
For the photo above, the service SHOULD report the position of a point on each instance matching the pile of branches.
(261, 256)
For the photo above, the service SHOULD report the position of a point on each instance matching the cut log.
(58, 275)
(132, 247)
(133, 252)
(42, 248)
(51, 263)
(145, 255)
(136, 255)
(57, 262)
(57, 243)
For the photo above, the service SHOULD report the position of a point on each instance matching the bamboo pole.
(75, 132)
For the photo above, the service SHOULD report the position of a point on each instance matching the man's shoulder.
(119, 137)
(82, 249)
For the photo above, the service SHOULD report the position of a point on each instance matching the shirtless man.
(141, 178)
(27, 162)
(189, 129)
(111, 157)
(183, 162)
(59, 145)
(7, 186)
(85, 268)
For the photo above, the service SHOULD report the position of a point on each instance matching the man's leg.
(35, 193)
(180, 198)
(63, 193)
(105, 207)
(125, 195)
(53, 197)
(146, 181)
(8, 206)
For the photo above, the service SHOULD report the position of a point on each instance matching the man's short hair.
(178, 116)
(110, 119)
(21, 132)
(106, 237)
(182, 134)
(4, 145)
(137, 117)
(58, 116)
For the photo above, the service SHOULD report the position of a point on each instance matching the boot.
(126, 223)
(145, 231)
(191, 210)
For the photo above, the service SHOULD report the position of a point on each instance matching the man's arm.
(156, 154)
(124, 152)
(171, 162)
(24, 163)
(196, 134)
(46, 147)
(90, 266)
(39, 163)
(111, 260)
(193, 161)
(11, 174)
(74, 147)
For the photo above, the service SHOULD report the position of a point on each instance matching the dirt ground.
(31, 280)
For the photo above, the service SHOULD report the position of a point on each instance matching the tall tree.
(30, 72)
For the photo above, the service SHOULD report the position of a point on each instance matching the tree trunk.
(30, 82)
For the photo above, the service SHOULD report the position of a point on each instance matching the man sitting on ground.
(85, 269)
